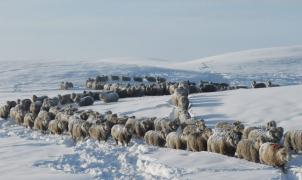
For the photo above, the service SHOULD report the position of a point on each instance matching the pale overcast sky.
(168, 29)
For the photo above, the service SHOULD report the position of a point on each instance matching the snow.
(29, 154)
(280, 65)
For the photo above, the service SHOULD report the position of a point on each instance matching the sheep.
(57, 127)
(19, 116)
(36, 98)
(172, 88)
(154, 138)
(223, 143)
(258, 85)
(270, 84)
(293, 140)
(42, 120)
(126, 78)
(65, 99)
(101, 78)
(85, 101)
(66, 85)
(29, 120)
(100, 131)
(175, 140)
(247, 131)
(49, 102)
(165, 125)
(150, 79)
(138, 79)
(271, 124)
(114, 78)
(274, 155)
(236, 126)
(109, 97)
(26, 104)
(130, 123)
(208, 88)
(249, 150)
(35, 107)
(80, 130)
(196, 142)
(4, 111)
(272, 135)
(142, 126)
(121, 134)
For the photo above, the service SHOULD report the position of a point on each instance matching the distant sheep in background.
(66, 85)
(109, 97)
(258, 85)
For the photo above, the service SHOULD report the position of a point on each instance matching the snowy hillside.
(51, 156)
(281, 65)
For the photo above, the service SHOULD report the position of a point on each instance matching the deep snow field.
(26, 154)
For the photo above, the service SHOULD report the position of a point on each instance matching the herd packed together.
(126, 86)
(60, 115)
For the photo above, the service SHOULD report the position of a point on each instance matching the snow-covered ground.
(28, 154)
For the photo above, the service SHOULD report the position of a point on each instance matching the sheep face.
(270, 125)
(173, 125)
(233, 139)
(85, 127)
(276, 133)
(284, 155)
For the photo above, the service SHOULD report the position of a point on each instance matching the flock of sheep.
(60, 115)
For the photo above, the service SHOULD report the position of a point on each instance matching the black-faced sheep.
(154, 138)
(293, 140)
(175, 140)
(165, 125)
(274, 155)
(121, 134)
(249, 149)
(29, 120)
(223, 143)
(109, 97)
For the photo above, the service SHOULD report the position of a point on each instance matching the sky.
(177, 30)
